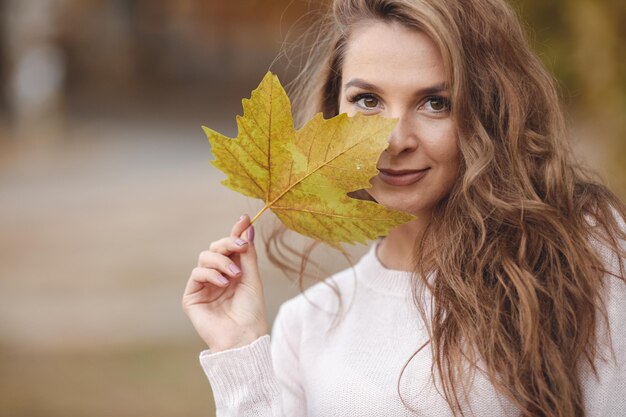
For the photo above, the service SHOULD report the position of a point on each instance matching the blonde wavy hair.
(519, 282)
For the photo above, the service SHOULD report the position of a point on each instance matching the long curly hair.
(519, 281)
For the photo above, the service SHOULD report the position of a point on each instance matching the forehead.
(388, 53)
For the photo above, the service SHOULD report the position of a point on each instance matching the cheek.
(441, 146)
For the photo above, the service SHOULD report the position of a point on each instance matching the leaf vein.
(255, 144)
(330, 141)
(248, 174)
(325, 163)
(351, 217)
(269, 146)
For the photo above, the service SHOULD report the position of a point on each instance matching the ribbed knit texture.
(313, 369)
(252, 364)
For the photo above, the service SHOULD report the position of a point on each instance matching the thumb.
(249, 262)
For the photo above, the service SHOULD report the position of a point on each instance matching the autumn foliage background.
(107, 196)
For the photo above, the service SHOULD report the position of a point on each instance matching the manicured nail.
(240, 242)
(221, 278)
(234, 269)
(251, 234)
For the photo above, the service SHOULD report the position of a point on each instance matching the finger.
(200, 277)
(241, 225)
(224, 264)
(250, 235)
(229, 245)
(249, 263)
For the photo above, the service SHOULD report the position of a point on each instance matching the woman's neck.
(396, 249)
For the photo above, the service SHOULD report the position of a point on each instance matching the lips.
(402, 177)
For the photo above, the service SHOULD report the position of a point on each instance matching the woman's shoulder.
(611, 249)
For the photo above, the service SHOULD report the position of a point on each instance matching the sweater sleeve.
(243, 381)
(258, 379)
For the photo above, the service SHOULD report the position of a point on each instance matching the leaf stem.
(256, 216)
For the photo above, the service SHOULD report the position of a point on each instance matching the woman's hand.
(224, 295)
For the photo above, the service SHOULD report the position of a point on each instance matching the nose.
(404, 137)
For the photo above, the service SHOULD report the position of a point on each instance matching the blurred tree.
(36, 67)
(582, 42)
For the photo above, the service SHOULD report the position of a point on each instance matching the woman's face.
(398, 72)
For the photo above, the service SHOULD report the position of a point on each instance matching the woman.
(505, 296)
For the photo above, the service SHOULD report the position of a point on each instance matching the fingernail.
(251, 234)
(240, 242)
(243, 216)
(221, 278)
(234, 269)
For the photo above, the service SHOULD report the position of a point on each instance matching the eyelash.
(359, 97)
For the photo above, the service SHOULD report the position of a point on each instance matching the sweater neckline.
(373, 274)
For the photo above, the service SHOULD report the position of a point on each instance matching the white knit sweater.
(353, 370)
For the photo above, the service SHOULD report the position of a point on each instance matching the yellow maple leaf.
(304, 176)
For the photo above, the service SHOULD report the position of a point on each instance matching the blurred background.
(107, 196)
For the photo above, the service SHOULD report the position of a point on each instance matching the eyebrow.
(433, 89)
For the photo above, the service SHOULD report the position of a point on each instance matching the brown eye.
(437, 104)
(370, 102)
(366, 101)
